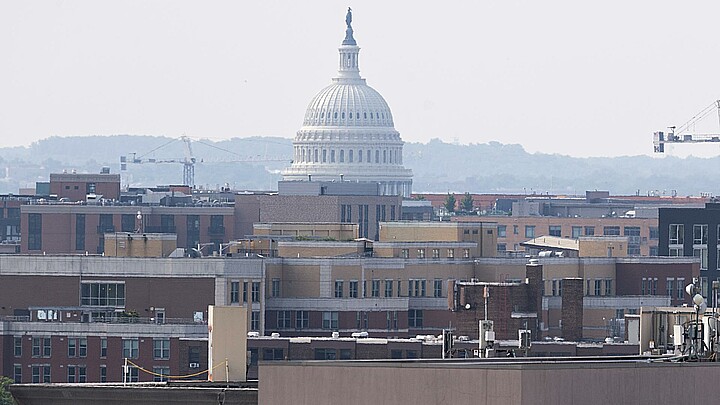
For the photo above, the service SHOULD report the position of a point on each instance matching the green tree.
(450, 202)
(466, 204)
(5, 397)
(418, 197)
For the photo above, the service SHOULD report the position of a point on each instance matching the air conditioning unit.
(194, 365)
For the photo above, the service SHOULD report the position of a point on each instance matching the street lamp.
(138, 222)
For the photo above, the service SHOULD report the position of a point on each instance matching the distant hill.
(438, 167)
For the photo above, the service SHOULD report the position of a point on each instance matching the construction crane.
(684, 133)
(188, 161)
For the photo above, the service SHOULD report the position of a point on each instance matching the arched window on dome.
(369, 158)
(350, 156)
(357, 115)
(324, 156)
(371, 115)
(351, 114)
(335, 115)
(384, 156)
(390, 156)
(365, 115)
(343, 115)
(342, 156)
(332, 155)
(322, 114)
(315, 158)
(359, 156)
(377, 156)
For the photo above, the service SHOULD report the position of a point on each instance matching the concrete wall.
(412, 383)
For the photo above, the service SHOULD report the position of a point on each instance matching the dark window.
(325, 354)
(234, 292)
(127, 223)
(80, 232)
(34, 231)
(273, 354)
(415, 318)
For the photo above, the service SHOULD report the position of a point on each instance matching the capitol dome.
(348, 133)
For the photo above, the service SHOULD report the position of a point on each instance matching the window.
(415, 318)
(451, 253)
(700, 234)
(234, 292)
(529, 231)
(589, 230)
(46, 374)
(392, 323)
(554, 288)
(437, 288)
(103, 347)
(404, 253)
(676, 236)
(634, 240)
(680, 288)
(103, 373)
(275, 288)
(80, 232)
(102, 294)
(576, 232)
(345, 354)
(35, 374)
(256, 291)
(502, 231)
(77, 347)
(34, 231)
(161, 349)
(133, 375)
(18, 346)
(670, 287)
(654, 233)
(273, 354)
(361, 319)
(90, 188)
(598, 284)
(72, 374)
(702, 253)
(421, 253)
(555, 230)
(376, 288)
(353, 289)
(245, 291)
(283, 320)
(330, 320)
(41, 347)
(161, 373)
(325, 354)
(388, 288)
(466, 253)
(501, 247)
(608, 287)
(255, 320)
(611, 230)
(338, 288)
(302, 319)
(17, 374)
(130, 348)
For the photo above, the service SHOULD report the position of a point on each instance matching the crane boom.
(683, 134)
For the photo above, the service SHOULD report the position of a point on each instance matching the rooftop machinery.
(685, 133)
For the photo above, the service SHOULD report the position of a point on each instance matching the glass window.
(330, 320)
(388, 288)
(338, 288)
(102, 294)
(256, 291)
(161, 373)
(130, 348)
(677, 232)
(437, 288)
(283, 320)
(161, 349)
(589, 231)
(275, 288)
(529, 231)
(302, 319)
(611, 230)
(353, 289)
(555, 230)
(700, 234)
(415, 318)
(375, 288)
(18, 346)
(576, 232)
(502, 231)
(234, 292)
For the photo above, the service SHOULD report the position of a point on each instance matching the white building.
(348, 132)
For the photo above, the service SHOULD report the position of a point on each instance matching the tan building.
(436, 240)
(126, 244)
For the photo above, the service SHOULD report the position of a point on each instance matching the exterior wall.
(124, 244)
(76, 187)
(59, 233)
(336, 231)
(514, 229)
(250, 209)
(484, 383)
(689, 217)
(678, 271)
(483, 234)
(603, 246)
(572, 309)
(320, 249)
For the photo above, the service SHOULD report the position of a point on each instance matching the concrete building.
(348, 132)
(81, 186)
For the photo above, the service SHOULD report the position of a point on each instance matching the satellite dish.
(689, 288)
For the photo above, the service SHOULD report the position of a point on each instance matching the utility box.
(227, 343)
(487, 334)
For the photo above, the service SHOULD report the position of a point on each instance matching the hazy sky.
(571, 77)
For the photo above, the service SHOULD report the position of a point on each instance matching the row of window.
(700, 234)
(301, 319)
(254, 291)
(415, 288)
(41, 373)
(77, 348)
(314, 114)
(435, 252)
(596, 287)
(389, 156)
(578, 231)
